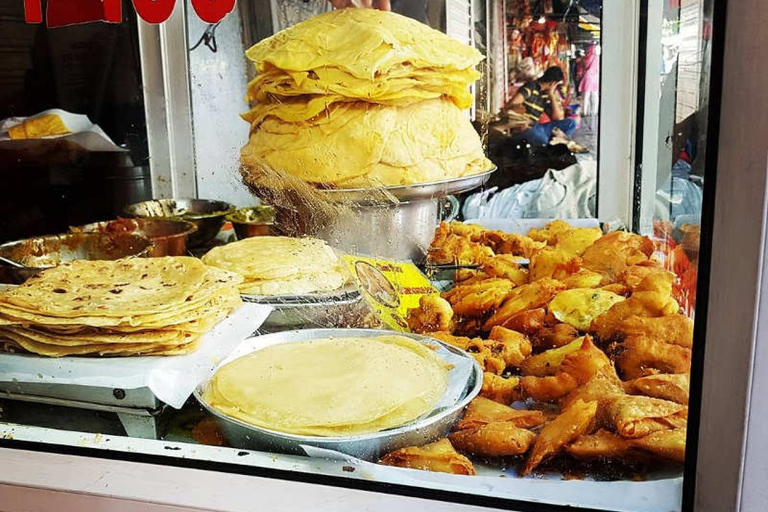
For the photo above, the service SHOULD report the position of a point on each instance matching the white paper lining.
(171, 378)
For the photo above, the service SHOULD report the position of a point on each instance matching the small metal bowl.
(49, 251)
(464, 386)
(253, 221)
(207, 215)
(168, 236)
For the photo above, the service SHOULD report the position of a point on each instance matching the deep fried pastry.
(652, 298)
(505, 266)
(528, 296)
(675, 329)
(633, 416)
(433, 314)
(555, 336)
(510, 346)
(439, 456)
(639, 356)
(548, 362)
(476, 299)
(667, 387)
(613, 253)
(549, 233)
(449, 247)
(576, 369)
(579, 306)
(603, 384)
(477, 348)
(527, 322)
(603, 444)
(668, 444)
(482, 411)
(511, 243)
(576, 240)
(571, 424)
(583, 278)
(553, 263)
(500, 389)
(497, 439)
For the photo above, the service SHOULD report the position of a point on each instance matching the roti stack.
(331, 387)
(152, 306)
(277, 265)
(359, 98)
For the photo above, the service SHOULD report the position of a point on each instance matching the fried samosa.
(571, 424)
(510, 346)
(667, 444)
(499, 439)
(603, 444)
(634, 416)
(548, 362)
(482, 411)
(667, 387)
(639, 356)
(439, 456)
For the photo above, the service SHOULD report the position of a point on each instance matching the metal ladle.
(12, 263)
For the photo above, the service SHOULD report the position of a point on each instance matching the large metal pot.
(396, 223)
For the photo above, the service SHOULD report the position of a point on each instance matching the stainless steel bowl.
(436, 424)
(168, 236)
(253, 221)
(207, 215)
(49, 251)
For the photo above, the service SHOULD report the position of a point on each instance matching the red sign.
(60, 13)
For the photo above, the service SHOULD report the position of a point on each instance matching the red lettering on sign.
(213, 11)
(154, 11)
(60, 13)
(33, 11)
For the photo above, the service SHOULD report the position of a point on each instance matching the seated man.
(538, 97)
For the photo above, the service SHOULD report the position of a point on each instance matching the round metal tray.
(312, 310)
(464, 385)
(409, 192)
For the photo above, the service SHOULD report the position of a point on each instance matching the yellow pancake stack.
(152, 306)
(279, 265)
(363, 98)
(331, 387)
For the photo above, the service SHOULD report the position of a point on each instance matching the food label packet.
(391, 288)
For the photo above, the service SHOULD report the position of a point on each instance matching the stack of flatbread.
(362, 98)
(278, 265)
(152, 306)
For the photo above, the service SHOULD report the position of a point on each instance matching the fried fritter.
(528, 296)
(500, 389)
(639, 356)
(529, 322)
(476, 299)
(510, 346)
(553, 263)
(556, 336)
(548, 362)
(505, 266)
(433, 314)
(613, 253)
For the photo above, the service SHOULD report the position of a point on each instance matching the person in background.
(539, 97)
(416, 9)
(589, 86)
